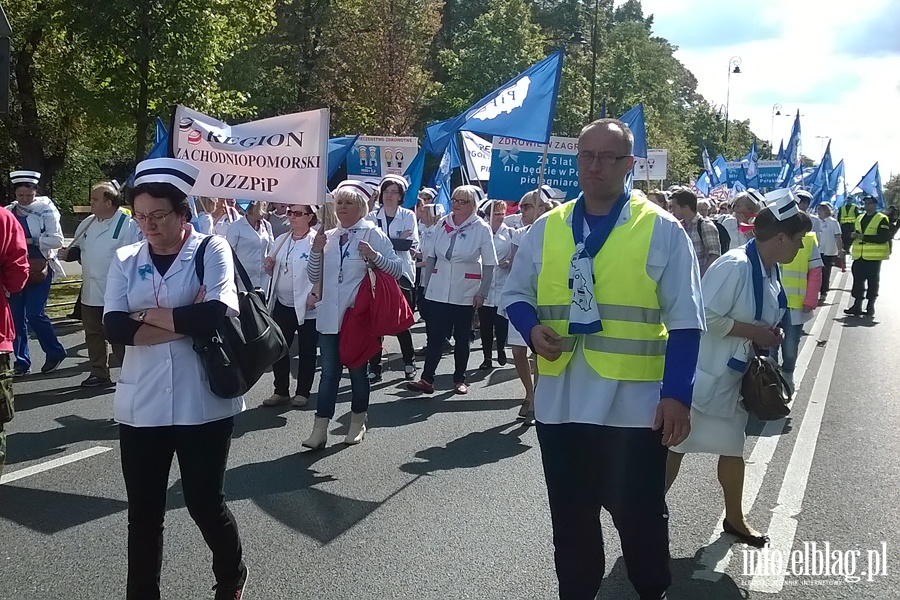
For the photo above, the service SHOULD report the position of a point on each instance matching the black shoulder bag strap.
(240, 274)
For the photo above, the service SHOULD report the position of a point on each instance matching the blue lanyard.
(757, 277)
(601, 233)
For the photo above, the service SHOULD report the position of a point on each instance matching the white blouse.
(252, 247)
(290, 282)
(503, 247)
(99, 241)
(343, 270)
(404, 220)
(727, 288)
(457, 280)
(165, 384)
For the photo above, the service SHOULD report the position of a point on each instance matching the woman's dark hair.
(30, 186)
(314, 219)
(766, 226)
(177, 199)
(387, 184)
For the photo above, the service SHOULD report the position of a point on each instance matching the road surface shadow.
(616, 585)
(49, 512)
(471, 451)
(25, 446)
(44, 398)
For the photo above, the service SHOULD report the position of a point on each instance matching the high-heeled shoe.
(757, 541)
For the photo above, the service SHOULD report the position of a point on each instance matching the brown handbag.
(38, 270)
(765, 393)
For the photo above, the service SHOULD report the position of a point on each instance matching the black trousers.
(444, 319)
(829, 262)
(404, 337)
(146, 460)
(307, 342)
(846, 231)
(589, 467)
(491, 324)
(866, 278)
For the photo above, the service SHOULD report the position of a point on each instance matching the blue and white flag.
(819, 183)
(707, 165)
(634, 118)
(837, 185)
(522, 108)
(870, 184)
(719, 172)
(780, 155)
(449, 162)
(338, 150)
(413, 175)
(160, 147)
(793, 152)
(750, 163)
(704, 183)
(161, 131)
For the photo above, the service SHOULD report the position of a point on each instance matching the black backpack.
(242, 347)
(724, 237)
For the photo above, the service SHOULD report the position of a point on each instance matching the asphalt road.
(445, 498)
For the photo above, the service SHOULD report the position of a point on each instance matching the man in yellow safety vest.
(847, 215)
(871, 245)
(606, 291)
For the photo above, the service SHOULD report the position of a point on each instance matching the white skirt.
(724, 436)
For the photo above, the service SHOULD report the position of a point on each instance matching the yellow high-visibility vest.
(848, 213)
(870, 250)
(632, 345)
(793, 274)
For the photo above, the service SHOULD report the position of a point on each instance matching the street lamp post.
(776, 112)
(734, 66)
(594, 59)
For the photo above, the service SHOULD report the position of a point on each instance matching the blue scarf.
(756, 272)
(584, 314)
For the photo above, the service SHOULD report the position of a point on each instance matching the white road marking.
(783, 526)
(716, 556)
(52, 464)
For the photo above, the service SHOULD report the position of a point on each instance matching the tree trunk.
(141, 115)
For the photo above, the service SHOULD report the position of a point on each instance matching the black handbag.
(766, 395)
(242, 347)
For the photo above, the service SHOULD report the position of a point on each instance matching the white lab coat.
(404, 220)
(99, 241)
(503, 248)
(42, 217)
(457, 281)
(300, 284)
(205, 223)
(252, 247)
(165, 384)
(339, 293)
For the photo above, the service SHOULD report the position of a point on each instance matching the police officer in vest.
(606, 291)
(847, 215)
(871, 245)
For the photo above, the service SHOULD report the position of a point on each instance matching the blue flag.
(792, 156)
(750, 163)
(602, 109)
(160, 148)
(449, 162)
(780, 151)
(161, 131)
(634, 118)
(870, 184)
(707, 165)
(522, 108)
(413, 175)
(837, 186)
(704, 183)
(819, 183)
(338, 149)
(719, 172)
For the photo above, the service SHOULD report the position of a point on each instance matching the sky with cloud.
(839, 64)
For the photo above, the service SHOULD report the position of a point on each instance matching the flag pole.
(464, 164)
(543, 165)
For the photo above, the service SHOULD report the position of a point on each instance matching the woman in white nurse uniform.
(337, 261)
(744, 303)
(494, 325)
(457, 278)
(154, 304)
(252, 240)
(400, 225)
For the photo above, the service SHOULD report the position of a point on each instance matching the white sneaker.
(276, 400)
(299, 401)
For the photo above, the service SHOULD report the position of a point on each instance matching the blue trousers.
(790, 347)
(27, 308)
(329, 344)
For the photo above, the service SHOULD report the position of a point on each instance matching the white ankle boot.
(319, 435)
(357, 430)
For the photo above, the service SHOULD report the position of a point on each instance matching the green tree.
(892, 191)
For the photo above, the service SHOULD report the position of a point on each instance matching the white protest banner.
(280, 159)
(659, 165)
(373, 157)
(478, 156)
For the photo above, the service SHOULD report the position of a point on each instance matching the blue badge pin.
(144, 271)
